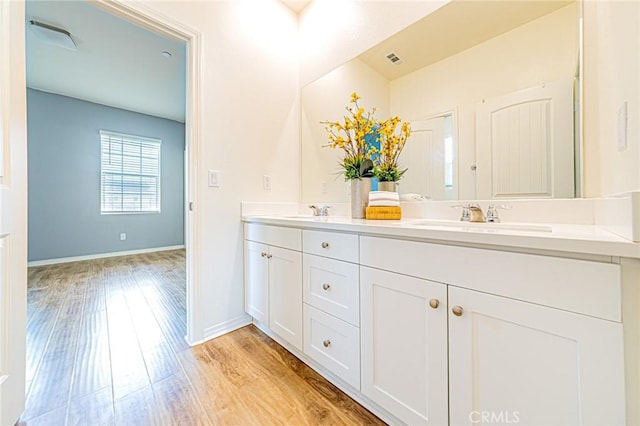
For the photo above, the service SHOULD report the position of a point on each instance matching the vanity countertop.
(579, 239)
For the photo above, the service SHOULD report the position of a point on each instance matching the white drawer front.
(586, 287)
(333, 343)
(331, 244)
(332, 286)
(290, 238)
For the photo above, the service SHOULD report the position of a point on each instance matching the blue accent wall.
(64, 180)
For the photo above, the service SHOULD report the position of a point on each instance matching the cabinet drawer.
(332, 286)
(586, 287)
(333, 343)
(290, 238)
(331, 244)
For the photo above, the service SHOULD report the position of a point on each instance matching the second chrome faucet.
(473, 213)
(320, 210)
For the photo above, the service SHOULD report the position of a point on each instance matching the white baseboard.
(101, 255)
(223, 328)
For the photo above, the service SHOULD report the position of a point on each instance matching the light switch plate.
(214, 178)
(622, 127)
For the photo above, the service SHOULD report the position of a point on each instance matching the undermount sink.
(485, 226)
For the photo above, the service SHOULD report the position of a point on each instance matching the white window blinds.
(130, 173)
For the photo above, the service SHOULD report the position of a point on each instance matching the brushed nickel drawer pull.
(325, 244)
(457, 310)
(326, 343)
(434, 303)
(326, 286)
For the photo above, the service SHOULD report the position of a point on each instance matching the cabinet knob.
(326, 286)
(434, 303)
(326, 343)
(263, 254)
(269, 256)
(457, 310)
(325, 244)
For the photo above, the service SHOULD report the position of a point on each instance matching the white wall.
(333, 32)
(541, 51)
(325, 100)
(611, 77)
(249, 102)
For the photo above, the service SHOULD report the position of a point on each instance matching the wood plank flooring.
(105, 346)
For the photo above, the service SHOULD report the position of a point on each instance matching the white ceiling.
(116, 63)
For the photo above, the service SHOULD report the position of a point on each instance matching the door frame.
(13, 214)
(453, 112)
(139, 14)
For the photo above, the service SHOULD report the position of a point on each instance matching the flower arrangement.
(371, 147)
(350, 136)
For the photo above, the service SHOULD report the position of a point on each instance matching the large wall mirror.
(490, 89)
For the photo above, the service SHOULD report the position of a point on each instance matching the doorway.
(12, 115)
(191, 39)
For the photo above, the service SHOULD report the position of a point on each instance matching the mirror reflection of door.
(524, 143)
(429, 157)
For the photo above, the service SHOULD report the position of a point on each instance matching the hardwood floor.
(105, 346)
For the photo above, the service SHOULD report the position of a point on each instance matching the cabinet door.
(404, 345)
(285, 294)
(516, 362)
(256, 286)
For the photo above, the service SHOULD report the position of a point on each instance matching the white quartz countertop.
(579, 239)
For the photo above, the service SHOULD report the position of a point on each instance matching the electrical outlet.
(123, 236)
(214, 178)
(266, 182)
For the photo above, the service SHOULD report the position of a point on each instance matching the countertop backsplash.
(619, 214)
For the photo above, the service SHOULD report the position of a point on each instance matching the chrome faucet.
(320, 210)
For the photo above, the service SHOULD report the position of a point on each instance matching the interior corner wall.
(64, 180)
(334, 32)
(611, 78)
(325, 99)
(249, 112)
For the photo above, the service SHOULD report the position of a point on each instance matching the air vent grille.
(394, 59)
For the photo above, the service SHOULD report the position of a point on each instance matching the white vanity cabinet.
(273, 279)
(509, 360)
(433, 333)
(404, 345)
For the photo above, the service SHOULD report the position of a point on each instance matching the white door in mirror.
(429, 157)
(521, 143)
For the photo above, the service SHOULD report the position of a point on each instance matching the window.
(130, 174)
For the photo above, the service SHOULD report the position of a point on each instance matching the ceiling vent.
(53, 35)
(394, 59)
